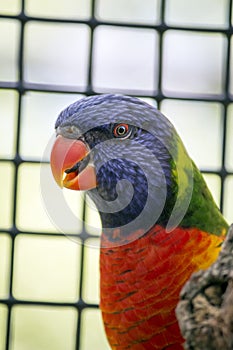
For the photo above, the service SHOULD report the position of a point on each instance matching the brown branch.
(205, 311)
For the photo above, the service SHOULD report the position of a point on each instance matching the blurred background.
(176, 55)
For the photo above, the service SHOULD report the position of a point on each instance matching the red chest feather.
(141, 282)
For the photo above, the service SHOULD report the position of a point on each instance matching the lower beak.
(65, 154)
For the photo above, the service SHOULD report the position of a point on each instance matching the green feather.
(202, 212)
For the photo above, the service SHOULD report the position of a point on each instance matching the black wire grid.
(22, 87)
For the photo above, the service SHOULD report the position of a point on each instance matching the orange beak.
(66, 153)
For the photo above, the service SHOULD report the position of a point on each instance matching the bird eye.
(121, 130)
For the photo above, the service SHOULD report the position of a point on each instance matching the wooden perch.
(205, 311)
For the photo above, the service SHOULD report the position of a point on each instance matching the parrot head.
(124, 152)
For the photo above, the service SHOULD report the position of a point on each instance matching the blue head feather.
(142, 160)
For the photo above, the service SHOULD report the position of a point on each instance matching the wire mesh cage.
(174, 54)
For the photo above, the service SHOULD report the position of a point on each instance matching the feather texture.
(141, 282)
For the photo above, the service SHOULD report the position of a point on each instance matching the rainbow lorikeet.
(159, 220)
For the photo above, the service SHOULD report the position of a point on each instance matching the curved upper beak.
(65, 156)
